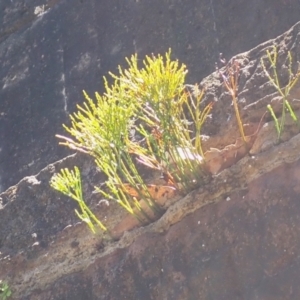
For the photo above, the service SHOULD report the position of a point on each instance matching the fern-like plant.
(283, 91)
(154, 102)
(69, 183)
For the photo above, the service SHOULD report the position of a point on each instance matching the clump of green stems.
(155, 104)
(69, 183)
(170, 119)
(283, 92)
(5, 291)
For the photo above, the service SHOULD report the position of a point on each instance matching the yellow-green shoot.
(284, 92)
(69, 183)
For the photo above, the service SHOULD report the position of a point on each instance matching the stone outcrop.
(50, 50)
(236, 237)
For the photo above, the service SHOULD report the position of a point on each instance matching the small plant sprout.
(69, 183)
(283, 91)
(230, 79)
(5, 291)
(277, 125)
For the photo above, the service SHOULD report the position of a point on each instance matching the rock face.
(50, 50)
(235, 238)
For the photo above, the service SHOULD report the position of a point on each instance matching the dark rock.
(51, 50)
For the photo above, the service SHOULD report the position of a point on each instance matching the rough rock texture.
(50, 50)
(245, 248)
(235, 238)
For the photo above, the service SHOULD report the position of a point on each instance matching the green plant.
(69, 183)
(283, 91)
(154, 102)
(5, 291)
(163, 98)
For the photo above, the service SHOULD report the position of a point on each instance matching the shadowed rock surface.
(235, 238)
(51, 50)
